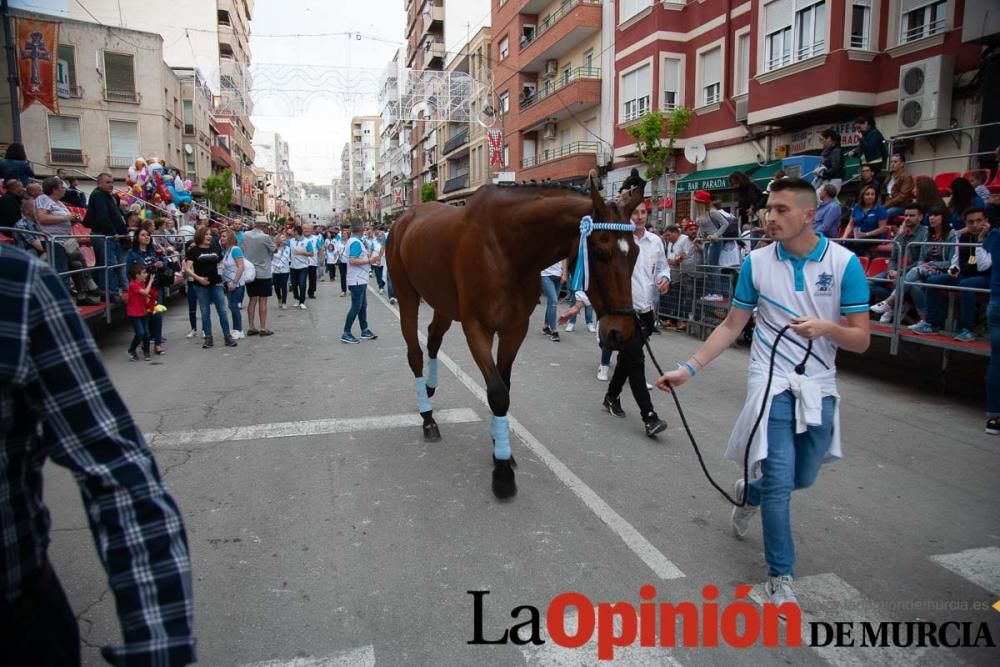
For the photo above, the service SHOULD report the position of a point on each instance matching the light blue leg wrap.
(432, 373)
(500, 430)
(425, 403)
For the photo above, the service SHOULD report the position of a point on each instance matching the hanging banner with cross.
(398, 192)
(496, 148)
(36, 48)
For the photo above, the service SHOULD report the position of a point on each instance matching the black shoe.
(230, 342)
(206, 343)
(554, 337)
(993, 425)
(546, 331)
(654, 425)
(312, 296)
(614, 406)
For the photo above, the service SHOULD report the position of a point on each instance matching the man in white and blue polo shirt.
(359, 261)
(806, 283)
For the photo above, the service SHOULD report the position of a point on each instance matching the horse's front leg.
(498, 394)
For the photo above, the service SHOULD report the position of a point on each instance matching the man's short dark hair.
(867, 166)
(104, 174)
(830, 189)
(672, 228)
(972, 210)
(914, 206)
(10, 183)
(796, 185)
(831, 134)
(899, 154)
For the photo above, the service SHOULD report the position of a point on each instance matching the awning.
(712, 179)
(764, 173)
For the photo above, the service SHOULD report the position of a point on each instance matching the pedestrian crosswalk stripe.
(359, 657)
(980, 566)
(827, 598)
(305, 428)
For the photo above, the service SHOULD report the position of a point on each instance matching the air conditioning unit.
(742, 107)
(551, 67)
(925, 95)
(550, 131)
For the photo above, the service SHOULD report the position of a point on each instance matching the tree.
(652, 152)
(428, 192)
(219, 190)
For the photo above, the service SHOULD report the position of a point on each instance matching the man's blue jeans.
(713, 281)
(793, 461)
(207, 297)
(550, 288)
(107, 252)
(299, 284)
(588, 311)
(359, 308)
(937, 300)
(993, 372)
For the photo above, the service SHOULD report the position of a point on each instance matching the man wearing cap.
(359, 260)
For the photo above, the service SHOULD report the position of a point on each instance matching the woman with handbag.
(56, 220)
(236, 273)
(144, 252)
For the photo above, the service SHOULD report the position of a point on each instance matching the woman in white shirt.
(280, 269)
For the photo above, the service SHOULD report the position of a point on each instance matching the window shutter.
(124, 138)
(711, 67)
(777, 15)
(119, 72)
(64, 133)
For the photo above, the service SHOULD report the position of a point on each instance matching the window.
(636, 90)
(119, 77)
(588, 60)
(742, 73)
(66, 72)
(861, 20)
(505, 103)
(630, 8)
(64, 140)
(124, 142)
(921, 18)
(711, 76)
(793, 30)
(503, 48)
(506, 155)
(566, 72)
(810, 30)
(188, 117)
(671, 83)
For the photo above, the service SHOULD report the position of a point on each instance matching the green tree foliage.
(219, 190)
(428, 192)
(652, 151)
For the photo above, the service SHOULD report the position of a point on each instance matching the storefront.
(715, 181)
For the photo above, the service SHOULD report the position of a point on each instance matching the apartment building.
(548, 74)
(118, 101)
(197, 107)
(764, 77)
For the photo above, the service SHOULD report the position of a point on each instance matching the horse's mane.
(535, 185)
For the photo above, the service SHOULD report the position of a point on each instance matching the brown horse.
(480, 265)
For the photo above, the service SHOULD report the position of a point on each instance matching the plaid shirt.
(57, 401)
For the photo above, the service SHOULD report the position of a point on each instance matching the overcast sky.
(307, 87)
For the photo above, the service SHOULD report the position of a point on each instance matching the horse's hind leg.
(409, 304)
(435, 334)
(498, 395)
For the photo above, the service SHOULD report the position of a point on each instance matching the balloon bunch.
(150, 182)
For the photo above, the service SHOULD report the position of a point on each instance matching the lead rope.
(800, 369)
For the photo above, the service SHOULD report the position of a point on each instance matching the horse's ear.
(635, 197)
(595, 195)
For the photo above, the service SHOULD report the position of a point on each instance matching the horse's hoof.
(504, 485)
(513, 462)
(430, 392)
(431, 433)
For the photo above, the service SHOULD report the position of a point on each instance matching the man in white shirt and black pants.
(800, 287)
(649, 273)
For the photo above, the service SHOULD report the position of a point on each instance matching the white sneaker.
(740, 519)
(302, 306)
(886, 318)
(713, 297)
(284, 306)
(592, 328)
(881, 307)
(648, 386)
(569, 327)
(602, 373)
(192, 334)
(237, 334)
(780, 590)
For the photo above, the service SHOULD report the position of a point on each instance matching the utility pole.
(15, 104)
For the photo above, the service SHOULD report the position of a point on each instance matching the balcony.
(570, 92)
(560, 32)
(127, 96)
(571, 161)
(66, 156)
(120, 161)
(222, 158)
(432, 19)
(433, 54)
(459, 139)
(458, 183)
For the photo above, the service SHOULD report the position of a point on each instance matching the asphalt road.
(329, 533)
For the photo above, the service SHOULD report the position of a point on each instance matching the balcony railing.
(120, 161)
(66, 156)
(457, 141)
(457, 183)
(554, 18)
(548, 155)
(129, 96)
(562, 81)
(921, 30)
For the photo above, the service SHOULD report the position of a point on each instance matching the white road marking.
(827, 598)
(980, 566)
(359, 657)
(633, 539)
(304, 428)
(553, 655)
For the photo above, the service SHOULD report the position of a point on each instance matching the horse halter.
(581, 274)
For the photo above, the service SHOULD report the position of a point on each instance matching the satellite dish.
(189, 149)
(695, 153)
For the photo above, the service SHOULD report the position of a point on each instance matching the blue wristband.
(689, 367)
